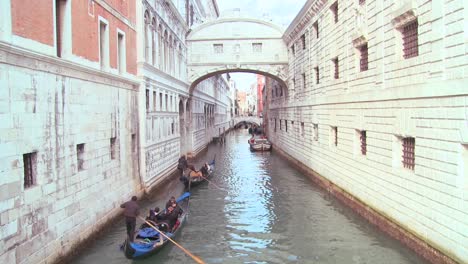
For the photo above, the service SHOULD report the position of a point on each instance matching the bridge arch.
(236, 45)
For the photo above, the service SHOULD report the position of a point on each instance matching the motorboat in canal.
(259, 144)
(199, 180)
(148, 241)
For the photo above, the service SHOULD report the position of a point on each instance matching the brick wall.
(33, 19)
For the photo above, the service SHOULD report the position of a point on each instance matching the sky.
(281, 12)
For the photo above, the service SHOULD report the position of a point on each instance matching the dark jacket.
(132, 209)
(182, 163)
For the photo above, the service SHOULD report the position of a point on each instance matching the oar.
(210, 182)
(197, 259)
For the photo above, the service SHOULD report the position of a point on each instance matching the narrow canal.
(261, 210)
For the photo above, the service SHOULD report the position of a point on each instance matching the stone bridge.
(236, 45)
(248, 119)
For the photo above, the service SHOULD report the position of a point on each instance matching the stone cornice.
(404, 14)
(24, 58)
(305, 16)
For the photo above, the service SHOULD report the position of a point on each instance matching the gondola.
(199, 180)
(148, 241)
(259, 144)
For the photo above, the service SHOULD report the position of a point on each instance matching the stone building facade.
(376, 109)
(69, 123)
(179, 119)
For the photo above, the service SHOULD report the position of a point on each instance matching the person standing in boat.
(205, 169)
(131, 211)
(182, 165)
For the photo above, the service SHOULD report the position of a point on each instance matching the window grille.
(335, 131)
(80, 156)
(337, 70)
(361, 2)
(286, 125)
(334, 9)
(257, 47)
(364, 66)
(302, 129)
(293, 50)
(317, 75)
(316, 135)
(303, 40)
(363, 143)
(315, 25)
(218, 48)
(281, 126)
(410, 40)
(112, 145)
(408, 152)
(30, 169)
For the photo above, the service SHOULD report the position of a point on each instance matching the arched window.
(153, 41)
(147, 23)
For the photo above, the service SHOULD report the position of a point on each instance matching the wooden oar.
(210, 182)
(197, 259)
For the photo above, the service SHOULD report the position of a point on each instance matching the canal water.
(259, 209)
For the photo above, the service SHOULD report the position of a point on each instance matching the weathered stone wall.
(424, 97)
(48, 106)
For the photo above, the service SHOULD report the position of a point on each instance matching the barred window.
(410, 40)
(303, 81)
(316, 28)
(316, 134)
(286, 125)
(30, 169)
(303, 40)
(275, 125)
(335, 134)
(302, 129)
(218, 48)
(408, 152)
(317, 75)
(361, 2)
(80, 156)
(334, 10)
(281, 127)
(337, 70)
(112, 147)
(364, 66)
(363, 138)
(293, 50)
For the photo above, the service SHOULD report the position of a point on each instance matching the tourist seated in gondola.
(205, 170)
(194, 173)
(170, 202)
(171, 217)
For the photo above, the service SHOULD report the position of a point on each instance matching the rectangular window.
(363, 62)
(154, 101)
(303, 41)
(316, 29)
(317, 75)
(275, 125)
(408, 152)
(257, 47)
(134, 144)
(113, 148)
(293, 50)
(410, 40)
(337, 70)
(303, 81)
(30, 169)
(334, 135)
(103, 45)
(302, 129)
(147, 100)
(80, 148)
(218, 48)
(315, 132)
(61, 27)
(363, 139)
(281, 126)
(334, 10)
(121, 62)
(160, 101)
(286, 125)
(361, 2)
(166, 108)
(172, 128)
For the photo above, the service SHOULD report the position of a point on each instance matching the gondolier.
(132, 210)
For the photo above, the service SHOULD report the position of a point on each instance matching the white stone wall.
(424, 97)
(49, 106)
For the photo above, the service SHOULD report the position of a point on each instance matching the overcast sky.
(281, 12)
